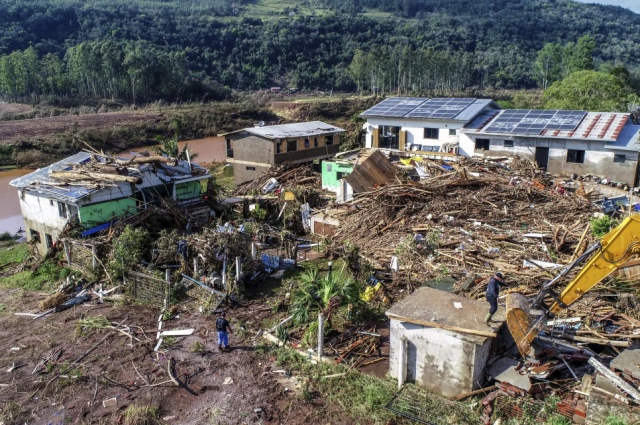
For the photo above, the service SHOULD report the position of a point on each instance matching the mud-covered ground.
(243, 385)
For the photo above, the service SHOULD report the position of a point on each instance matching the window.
(278, 147)
(306, 143)
(482, 144)
(51, 202)
(452, 132)
(329, 168)
(228, 141)
(341, 174)
(49, 240)
(62, 209)
(328, 140)
(315, 142)
(292, 145)
(619, 158)
(575, 156)
(251, 168)
(35, 235)
(431, 133)
(508, 143)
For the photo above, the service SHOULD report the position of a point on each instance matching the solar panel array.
(533, 122)
(419, 107)
(440, 108)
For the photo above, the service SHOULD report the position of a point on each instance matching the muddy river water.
(209, 150)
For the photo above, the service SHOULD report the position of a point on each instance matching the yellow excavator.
(602, 258)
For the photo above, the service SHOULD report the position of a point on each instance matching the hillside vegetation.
(143, 50)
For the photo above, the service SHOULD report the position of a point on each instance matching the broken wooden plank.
(619, 382)
(177, 332)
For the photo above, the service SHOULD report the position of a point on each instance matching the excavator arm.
(602, 259)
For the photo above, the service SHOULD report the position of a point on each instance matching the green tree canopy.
(590, 90)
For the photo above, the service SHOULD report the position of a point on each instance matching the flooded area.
(10, 216)
(209, 150)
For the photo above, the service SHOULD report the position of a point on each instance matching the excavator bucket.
(520, 324)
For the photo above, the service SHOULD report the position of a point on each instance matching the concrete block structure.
(437, 345)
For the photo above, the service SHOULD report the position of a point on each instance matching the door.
(403, 139)
(375, 138)
(542, 157)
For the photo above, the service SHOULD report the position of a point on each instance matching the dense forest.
(142, 50)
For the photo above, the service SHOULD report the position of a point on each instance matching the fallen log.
(83, 175)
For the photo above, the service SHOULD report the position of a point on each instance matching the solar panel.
(395, 107)
(524, 121)
(441, 108)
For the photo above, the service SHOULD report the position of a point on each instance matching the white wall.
(439, 360)
(598, 160)
(415, 130)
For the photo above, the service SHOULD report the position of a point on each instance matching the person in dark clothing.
(493, 290)
(222, 325)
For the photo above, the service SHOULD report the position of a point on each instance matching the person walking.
(222, 325)
(493, 290)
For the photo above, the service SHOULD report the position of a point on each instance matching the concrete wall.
(330, 179)
(439, 360)
(415, 130)
(43, 216)
(597, 161)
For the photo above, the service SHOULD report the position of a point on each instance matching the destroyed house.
(422, 124)
(252, 151)
(562, 142)
(98, 190)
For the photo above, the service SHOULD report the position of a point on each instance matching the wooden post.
(195, 267)
(167, 277)
(238, 269)
(320, 336)
(402, 362)
(67, 253)
(94, 257)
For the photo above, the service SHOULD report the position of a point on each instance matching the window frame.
(575, 156)
(430, 130)
(328, 140)
(307, 144)
(453, 132)
(507, 143)
(250, 168)
(292, 143)
(62, 210)
(619, 158)
(484, 142)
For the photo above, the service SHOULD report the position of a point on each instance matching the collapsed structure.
(95, 189)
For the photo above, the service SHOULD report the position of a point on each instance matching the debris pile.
(286, 175)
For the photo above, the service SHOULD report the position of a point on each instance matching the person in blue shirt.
(222, 326)
(493, 290)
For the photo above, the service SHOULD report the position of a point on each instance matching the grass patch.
(14, 254)
(10, 413)
(223, 175)
(360, 396)
(141, 415)
(49, 271)
(84, 326)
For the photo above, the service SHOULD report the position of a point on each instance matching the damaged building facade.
(94, 191)
(562, 142)
(252, 151)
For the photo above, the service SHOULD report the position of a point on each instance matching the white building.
(422, 124)
(439, 341)
(562, 142)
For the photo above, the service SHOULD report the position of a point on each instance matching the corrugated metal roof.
(604, 126)
(302, 129)
(628, 140)
(37, 181)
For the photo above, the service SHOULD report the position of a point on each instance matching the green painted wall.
(333, 172)
(95, 214)
(188, 190)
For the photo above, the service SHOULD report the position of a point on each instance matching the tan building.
(252, 151)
